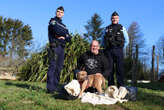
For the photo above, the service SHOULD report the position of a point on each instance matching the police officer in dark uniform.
(115, 39)
(58, 36)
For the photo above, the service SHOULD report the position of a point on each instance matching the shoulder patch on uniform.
(106, 30)
(53, 22)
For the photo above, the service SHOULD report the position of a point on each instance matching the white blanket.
(97, 99)
(73, 88)
(112, 94)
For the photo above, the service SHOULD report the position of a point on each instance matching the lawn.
(18, 95)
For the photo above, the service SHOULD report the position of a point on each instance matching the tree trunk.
(163, 52)
(153, 66)
(157, 68)
(135, 66)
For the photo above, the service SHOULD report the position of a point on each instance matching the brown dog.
(95, 80)
(81, 76)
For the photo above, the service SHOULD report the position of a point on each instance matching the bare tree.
(160, 52)
(135, 38)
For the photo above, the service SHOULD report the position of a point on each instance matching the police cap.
(115, 13)
(60, 8)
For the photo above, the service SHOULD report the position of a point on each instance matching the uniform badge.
(118, 33)
(110, 30)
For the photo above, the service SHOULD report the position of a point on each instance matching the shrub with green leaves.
(36, 67)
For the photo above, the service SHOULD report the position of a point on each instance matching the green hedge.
(36, 67)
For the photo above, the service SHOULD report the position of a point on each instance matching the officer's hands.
(61, 37)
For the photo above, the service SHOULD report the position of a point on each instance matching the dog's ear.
(78, 75)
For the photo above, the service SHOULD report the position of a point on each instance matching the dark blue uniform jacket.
(56, 29)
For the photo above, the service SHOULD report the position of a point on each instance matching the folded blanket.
(114, 92)
(73, 88)
(112, 95)
(97, 99)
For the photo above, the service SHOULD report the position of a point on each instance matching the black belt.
(53, 45)
(56, 44)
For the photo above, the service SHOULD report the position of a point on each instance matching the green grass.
(18, 95)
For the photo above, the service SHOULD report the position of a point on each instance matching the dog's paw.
(80, 96)
(102, 94)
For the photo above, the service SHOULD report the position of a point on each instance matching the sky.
(37, 13)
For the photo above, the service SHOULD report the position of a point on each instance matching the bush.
(36, 67)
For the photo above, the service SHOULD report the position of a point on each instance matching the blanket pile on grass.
(112, 94)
